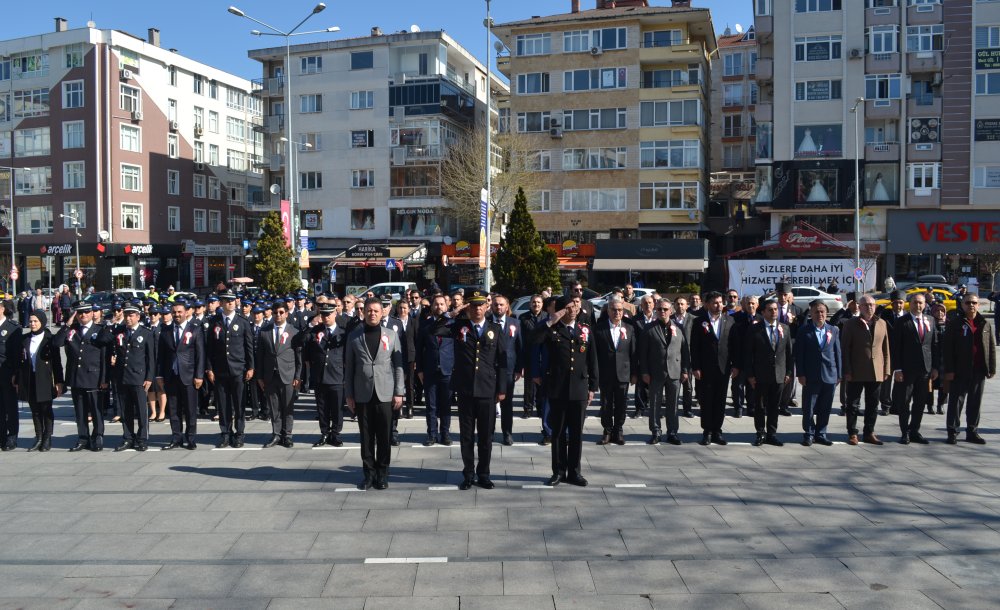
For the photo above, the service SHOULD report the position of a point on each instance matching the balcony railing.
(415, 191)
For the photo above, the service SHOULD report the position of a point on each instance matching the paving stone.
(473, 578)
(724, 576)
(803, 574)
(637, 577)
(266, 581)
(193, 581)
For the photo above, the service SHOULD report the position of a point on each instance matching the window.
(129, 98)
(817, 48)
(173, 146)
(988, 83)
(923, 176)
(214, 221)
(662, 38)
(200, 221)
(74, 175)
(929, 2)
(534, 44)
(173, 182)
(172, 75)
(213, 89)
(923, 92)
(669, 196)
(199, 151)
(312, 64)
(881, 182)
(236, 161)
(362, 178)
(988, 37)
(816, 6)
(171, 110)
(31, 102)
(753, 63)
(924, 38)
(72, 94)
(362, 99)
(32, 142)
(74, 215)
(732, 95)
(882, 86)
(131, 179)
(236, 129)
(30, 63)
(601, 78)
(237, 193)
(540, 201)
(199, 186)
(315, 142)
(531, 122)
(34, 220)
(311, 103)
(732, 155)
(363, 219)
(363, 138)
(818, 141)
(732, 64)
(817, 90)
(214, 188)
(74, 55)
(73, 134)
(199, 118)
(213, 154)
(762, 7)
(132, 216)
(33, 181)
(753, 93)
(576, 41)
(594, 118)
(594, 158)
(173, 218)
(732, 126)
(669, 112)
(659, 79)
(362, 60)
(880, 3)
(986, 176)
(670, 154)
(213, 121)
(533, 82)
(609, 38)
(309, 181)
(882, 39)
(130, 137)
(199, 84)
(539, 161)
(595, 200)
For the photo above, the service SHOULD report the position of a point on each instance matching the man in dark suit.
(133, 367)
(746, 318)
(664, 360)
(229, 363)
(181, 366)
(513, 344)
(86, 372)
(915, 354)
(435, 360)
(253, 395)
(480, 361)
(892, 314)
(791, 315)
(768, 367)
(818, 365)
(570, 381)
(10, 355)
(685, 321)
(323, 346)
(279, 365)
(529, 320)
(374, 375)
(408, 334)
(644, 318)
(713, 360)
(969, 359)
(615, 342)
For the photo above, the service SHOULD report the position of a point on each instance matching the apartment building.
(926, 142)
(372, 121)
(615, 101)
(138, 154)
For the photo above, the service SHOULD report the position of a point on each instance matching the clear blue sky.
(203, 30)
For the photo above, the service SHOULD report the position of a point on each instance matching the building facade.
(125, 160)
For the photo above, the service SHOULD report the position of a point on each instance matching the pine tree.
(277, 267)
(523, 263)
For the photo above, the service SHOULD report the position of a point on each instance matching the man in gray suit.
(374, 377)
(664, 362)
(280, 365)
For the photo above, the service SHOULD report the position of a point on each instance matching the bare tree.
(989, 261)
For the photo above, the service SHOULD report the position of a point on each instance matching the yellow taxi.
(941, 295)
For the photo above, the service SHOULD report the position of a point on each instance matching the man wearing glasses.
(866, 365)
(616, 352)
(586, 315)
(664, 360)
(970, 358)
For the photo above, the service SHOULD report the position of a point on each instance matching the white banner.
(757, 276)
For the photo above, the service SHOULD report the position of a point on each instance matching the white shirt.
(33, 345)
(715, 322)
(616, 333)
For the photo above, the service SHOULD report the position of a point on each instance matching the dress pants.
(529, 395)
(686, 399)
(409, 377)
(229, 404)
(280, 399)
(544, 407)
(739, 390)
(817, 402)
(375, 426)
(9, 423)
(713, 400)
(42, 417)
(641, 396)
(663, 404)
(566, 418)
(507, 408)
(182, 409)
(614, 397)
(331, 417)
(254, 399)
(872, 394)
(476, 422)
(909, 398)
(885, 393)
(133, 399)
(788, 392)
(84, 406)
(967, 393)
(767, 396)
(438, 389)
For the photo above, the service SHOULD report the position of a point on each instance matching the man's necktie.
(774, 337)
(479, 330)
(920, 328)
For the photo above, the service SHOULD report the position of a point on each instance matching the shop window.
(363, 219)
(817, 186)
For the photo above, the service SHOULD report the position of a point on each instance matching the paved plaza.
(659, 527)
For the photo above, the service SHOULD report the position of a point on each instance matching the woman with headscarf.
(40, 379)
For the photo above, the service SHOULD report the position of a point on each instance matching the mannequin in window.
(879, 192)
(817, 192)
(807, 145)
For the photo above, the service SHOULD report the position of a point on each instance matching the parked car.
(804, 295)
(601, 301)
(520, 305)
(127, 294)
(942, 295)
(103, 299)
(394, 290)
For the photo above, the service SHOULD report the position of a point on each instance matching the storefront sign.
(57, 250)
(312, 219)
(463, 248)
(368, 251)
(139, 249)
(756, 276)
(987, 130)
(988, 59)
(570, 247)
(801, 240)
(199, 271)
(943, 232)
(412, 211)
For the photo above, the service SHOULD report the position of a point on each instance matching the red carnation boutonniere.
(584, 333)
(781, 333)
(218, 329)
(673, 330)
(513, 330)
(187, 337)
(465, 331)
(385, 342)
(284, 336)
(121, 339)
(705, 327)
(72, 334)
(319, 337)
(829, 336)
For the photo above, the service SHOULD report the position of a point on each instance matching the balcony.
(923, 198)
(882, 63)
(273, 124)
(882, 15)
(416, 152)
(503, 65)
(923, 106)
(881, 109)
(924, 14)
(764, 112)
(765, 69)
(763, 26)
(923, 152)
(881, 151)
(924, 61)
(268, 87)
(661, 51)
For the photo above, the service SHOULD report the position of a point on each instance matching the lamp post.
(857, 193)
(290, 174)
(488, 22)
(7, 221)
(75, 219)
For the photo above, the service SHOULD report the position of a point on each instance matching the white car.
(601, 301)
(804, 295)
(394, 290)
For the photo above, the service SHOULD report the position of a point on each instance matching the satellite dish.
(104, 235)
(739, 29)
(275, 189)
(414, 28)
(498, 46)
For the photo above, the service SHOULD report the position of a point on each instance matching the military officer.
(86, 372)
(229, 363)
(323, 346)
(133, 368)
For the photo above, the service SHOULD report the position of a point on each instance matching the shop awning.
(406, 254)
(686, 265)
(567, 262)
(670, 255)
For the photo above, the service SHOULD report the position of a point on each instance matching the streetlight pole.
(7, 220)
(290, 174)
(489, 157)
(858, 285)
(75, 219)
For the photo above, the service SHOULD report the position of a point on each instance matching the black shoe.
(654, 440)
(223, 442)
(508, 439)
(526, 414)
(939, 411)
(883, 412)
(758, 440)
(619, 438)
(546, 440)
(930, 410)
(408, 414)
(737, 413)
(952, 438)
(793, 403)
(140, 446)
(605, 439)
(191, 446)
(718, 439)
(381, 483)
(784, 412)
(554, 480)
(334, 441)
(706, 439)
(394, 439)
(172, 445)
(287, 443)
(578, 481)
(429, 441)
(688, 414)
(275, 439)
(974, 438)
(485, 483)
(80, 446)
(366, 483)
(466, 484)
(9, 445)
(634, 415)
(904, 439)
(97, 444)
(916, 437)
(445, 439)
(673, 439)
(37, 446)
(320, 442)
(807, 441)
(124, 446)
(822, 440)
(773, 440)
(238, 441)
(46, 443)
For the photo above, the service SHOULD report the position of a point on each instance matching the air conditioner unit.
(173, 125)
(198, 131)
(126, 75)
(856, 53)
(555, 132)
(199, 167)
(137, 115)
(596, 51)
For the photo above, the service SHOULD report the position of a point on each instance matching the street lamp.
(7, 221)
(488, 22)
(291, 168)
(857, 193)
(75, 219)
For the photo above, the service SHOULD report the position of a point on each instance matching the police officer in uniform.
(323, 346)
(10, 355)
(133, 367)
(86, 372)
(229, 364)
